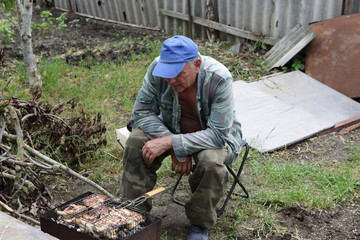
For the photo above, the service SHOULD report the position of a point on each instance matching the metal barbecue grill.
(101, 218)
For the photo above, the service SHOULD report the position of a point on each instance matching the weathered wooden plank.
(220, 27)
(113, 21)
(288, 47)
(12, 228)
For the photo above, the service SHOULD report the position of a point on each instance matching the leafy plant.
(297, 65)
(61, 21)
(49, 23)
(8, 4)
(258, 46)
(6, 33)
(284, 69)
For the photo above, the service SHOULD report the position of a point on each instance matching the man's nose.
(171, 80)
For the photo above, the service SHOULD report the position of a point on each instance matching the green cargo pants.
(207, 182)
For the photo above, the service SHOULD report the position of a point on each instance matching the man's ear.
(197, 65)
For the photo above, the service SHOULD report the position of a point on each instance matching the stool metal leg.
(236, 181)
(173, 192)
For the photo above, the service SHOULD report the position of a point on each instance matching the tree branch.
(60, 166)
(21, 186)
(2, 128)
(18, 214)
(19, 133)
(8, 160)
(17, 26)
(38, 163)
(27, 183)
(20, 5)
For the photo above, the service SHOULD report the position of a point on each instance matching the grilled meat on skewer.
(67, 214)
(94, 200)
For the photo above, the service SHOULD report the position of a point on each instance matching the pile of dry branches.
(26, 127)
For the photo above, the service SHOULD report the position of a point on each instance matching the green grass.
(312, 186)
(274, 185)
(354, 156)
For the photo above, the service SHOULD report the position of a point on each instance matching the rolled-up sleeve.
(146, 108)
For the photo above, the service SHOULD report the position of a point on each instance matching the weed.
(6, 33)
(49, 24)
(297, 64)
(354, 155)
(284, 188)
(284, 69)
(258, 45)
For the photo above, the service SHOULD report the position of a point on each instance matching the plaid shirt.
(157, 112)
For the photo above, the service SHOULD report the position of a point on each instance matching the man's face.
(186, 78)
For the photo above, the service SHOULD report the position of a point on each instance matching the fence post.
(190, 18)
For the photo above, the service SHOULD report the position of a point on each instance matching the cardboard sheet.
(306, 93)
(284, 109)
(269, 123)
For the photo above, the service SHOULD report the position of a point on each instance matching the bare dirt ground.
(84, 39)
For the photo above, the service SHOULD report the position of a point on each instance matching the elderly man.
(184, 109)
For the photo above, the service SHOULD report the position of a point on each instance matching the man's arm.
(155, 147)
(147, 108)
(146, 112)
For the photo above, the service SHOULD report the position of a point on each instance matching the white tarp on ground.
(284, 109)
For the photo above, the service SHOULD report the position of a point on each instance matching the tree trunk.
(35, 81)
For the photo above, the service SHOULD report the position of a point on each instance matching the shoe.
(198, 233)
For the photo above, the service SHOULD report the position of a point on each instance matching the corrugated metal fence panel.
(356, 6)
(63, 4)
(129, 11)
(176, 26)
(275, 18)
(199, 10)
(271, 18)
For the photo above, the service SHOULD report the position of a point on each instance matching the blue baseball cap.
(175, 53)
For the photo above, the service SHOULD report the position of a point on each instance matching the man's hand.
(181, 167)
(155, 147)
